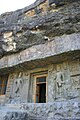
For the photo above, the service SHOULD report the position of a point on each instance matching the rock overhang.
(58, 50)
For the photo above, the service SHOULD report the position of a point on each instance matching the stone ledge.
(58, 46)
(65, 110)
(57, 110)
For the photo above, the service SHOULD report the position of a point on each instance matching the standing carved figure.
(18, 83)
(59, 87)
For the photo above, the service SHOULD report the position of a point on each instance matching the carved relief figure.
(59, 84)
(18, 83)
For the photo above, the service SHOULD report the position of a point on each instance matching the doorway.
(41, 89)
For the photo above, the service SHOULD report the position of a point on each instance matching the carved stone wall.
(17, 88)
(63, 83)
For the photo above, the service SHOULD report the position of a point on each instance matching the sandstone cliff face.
(19, 31)
(45, 36)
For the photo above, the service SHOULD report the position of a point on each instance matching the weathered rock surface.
(29, 31)
(69, 110)
(7, 113)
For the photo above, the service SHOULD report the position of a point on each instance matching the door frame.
(35, 82)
